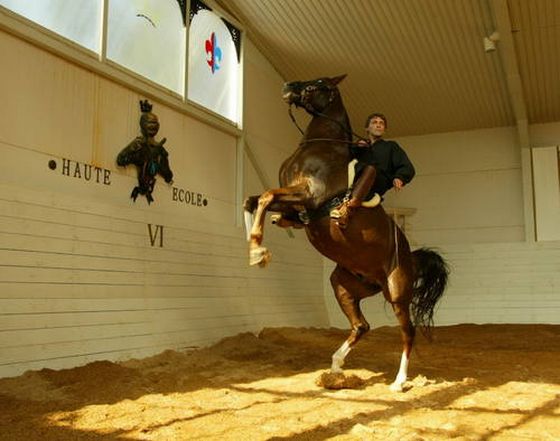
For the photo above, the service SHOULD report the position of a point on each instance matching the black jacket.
(390, 162)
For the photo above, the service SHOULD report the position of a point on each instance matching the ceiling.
(421, 62)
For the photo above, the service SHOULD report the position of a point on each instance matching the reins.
(342, 141)
(396, 231)
(294, 119)
(315, 113)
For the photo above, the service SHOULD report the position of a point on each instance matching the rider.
(382, 165)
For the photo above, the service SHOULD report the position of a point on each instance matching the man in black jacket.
(381, 165)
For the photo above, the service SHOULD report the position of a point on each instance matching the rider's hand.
(398, 184)
(362, 143)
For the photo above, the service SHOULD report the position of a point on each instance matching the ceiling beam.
(511, 69)
(515, 88)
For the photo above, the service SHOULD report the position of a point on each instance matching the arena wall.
(87, 274)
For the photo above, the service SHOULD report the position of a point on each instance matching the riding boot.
(359, 192)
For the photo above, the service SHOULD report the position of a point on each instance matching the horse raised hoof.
(259, 256)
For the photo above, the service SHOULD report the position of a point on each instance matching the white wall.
(514, 282)
(469, 202)
(79, 277)
(467, 189)
(544, 135)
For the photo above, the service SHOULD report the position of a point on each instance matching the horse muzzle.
(290, 97)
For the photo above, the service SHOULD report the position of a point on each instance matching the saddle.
(281, 221)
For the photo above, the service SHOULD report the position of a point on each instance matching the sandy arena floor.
(491, 382)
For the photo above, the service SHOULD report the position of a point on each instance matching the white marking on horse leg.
(397, 385)
(248, 216)
(339, 356)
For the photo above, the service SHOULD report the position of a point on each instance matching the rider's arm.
(403, 168)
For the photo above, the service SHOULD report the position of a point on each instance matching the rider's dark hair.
(376, 115)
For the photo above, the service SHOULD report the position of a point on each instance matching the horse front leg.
(280, 197)
(249, 207)
(259, 255)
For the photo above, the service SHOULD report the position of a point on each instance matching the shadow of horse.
(372, 253)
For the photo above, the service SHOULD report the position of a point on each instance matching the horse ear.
(336, 80)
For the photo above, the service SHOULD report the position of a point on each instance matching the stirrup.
(335, 213)
(341, 215)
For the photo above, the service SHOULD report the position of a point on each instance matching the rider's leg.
(359, 192)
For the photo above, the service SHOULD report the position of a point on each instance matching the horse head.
(315, 96)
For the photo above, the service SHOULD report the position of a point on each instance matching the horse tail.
(431, 273)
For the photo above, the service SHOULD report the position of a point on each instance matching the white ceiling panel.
(421, 62)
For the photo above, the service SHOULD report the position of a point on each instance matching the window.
(214, 64)
(77, 20)
(148, 37)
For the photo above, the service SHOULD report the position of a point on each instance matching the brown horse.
(372, 253)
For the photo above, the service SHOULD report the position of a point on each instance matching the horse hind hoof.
(259, 256)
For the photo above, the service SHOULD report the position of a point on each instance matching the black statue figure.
(148, 155)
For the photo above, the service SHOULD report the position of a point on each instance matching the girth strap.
(326, 207)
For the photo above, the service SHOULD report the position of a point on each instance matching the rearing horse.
(372, 253)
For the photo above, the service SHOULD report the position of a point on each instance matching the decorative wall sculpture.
(148, 155)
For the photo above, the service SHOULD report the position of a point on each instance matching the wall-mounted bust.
(148, 155)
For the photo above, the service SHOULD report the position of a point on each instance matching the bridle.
(307, 94)
(305, 100)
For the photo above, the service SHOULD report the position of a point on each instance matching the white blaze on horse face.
(402, 375)
(339, 356)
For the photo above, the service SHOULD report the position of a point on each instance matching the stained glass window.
(213, 65)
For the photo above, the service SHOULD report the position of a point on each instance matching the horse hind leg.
(407, 332)
(399, 294)
(349, 291)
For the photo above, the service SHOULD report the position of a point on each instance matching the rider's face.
(376, 127)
